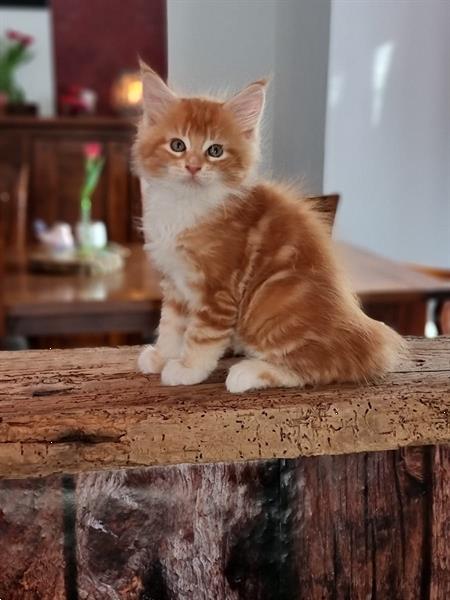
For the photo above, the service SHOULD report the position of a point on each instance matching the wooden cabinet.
(53, 149)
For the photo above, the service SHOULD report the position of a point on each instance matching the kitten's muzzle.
(193, 169)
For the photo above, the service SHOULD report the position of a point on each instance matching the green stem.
(86, 209)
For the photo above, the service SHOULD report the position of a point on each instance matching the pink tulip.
(22, 38)
(92, 150)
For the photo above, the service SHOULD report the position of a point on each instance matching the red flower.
(21, 38)
(92, 150)
(13, 35)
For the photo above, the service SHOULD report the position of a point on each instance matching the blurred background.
(358, 106)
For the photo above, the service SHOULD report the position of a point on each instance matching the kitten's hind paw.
(175, 373)
(253, 374)
(150, 361)
(244, 376)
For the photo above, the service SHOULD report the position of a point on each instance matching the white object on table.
(92, 234)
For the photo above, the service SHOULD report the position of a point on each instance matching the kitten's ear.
(247, 106)
(156, 96)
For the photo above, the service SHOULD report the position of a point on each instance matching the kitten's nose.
(193, 169)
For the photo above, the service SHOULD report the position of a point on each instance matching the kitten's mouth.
(194, 181)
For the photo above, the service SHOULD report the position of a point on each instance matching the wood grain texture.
(31, 540)
(368, 525)
(361, 525)
(443, 317)
(440, 524)
(181, 532)
(76, 410)
(3, 199)
(14, 201)
(349, 527)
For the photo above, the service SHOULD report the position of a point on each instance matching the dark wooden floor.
(369, 525)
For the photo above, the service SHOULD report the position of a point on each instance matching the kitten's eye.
(177, 145)
(215, 150)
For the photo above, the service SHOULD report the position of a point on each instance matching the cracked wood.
(88, 409)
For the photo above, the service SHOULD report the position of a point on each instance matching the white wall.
(36, 77)
(301, 69)
(216, 45)
(388, 126)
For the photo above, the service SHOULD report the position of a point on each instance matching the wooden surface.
(365, 526)
(3, 200)
(356, 526)
(331, 527)
(440, 523)
(76, 410)
(32, 540)
(14, 199)
(37, 304)
(377, 279)
(43, 304)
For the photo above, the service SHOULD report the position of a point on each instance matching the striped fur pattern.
(245, 263)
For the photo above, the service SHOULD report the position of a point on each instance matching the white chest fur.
(168, 211)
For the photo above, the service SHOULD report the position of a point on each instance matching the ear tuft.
(156, 96)
(247, 106)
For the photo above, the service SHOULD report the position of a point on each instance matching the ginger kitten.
(244, 263)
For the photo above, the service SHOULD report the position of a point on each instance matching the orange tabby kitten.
(245, 264)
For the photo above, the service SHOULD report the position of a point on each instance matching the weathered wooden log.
(349, 516)
(32, 565)
(367, 525)
(77, 410)
(182, 530)
(439, 548)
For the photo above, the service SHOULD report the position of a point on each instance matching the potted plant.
(14, 51)
(91, 234)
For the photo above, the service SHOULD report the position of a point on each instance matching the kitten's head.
(197, 141)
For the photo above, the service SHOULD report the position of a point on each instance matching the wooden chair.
(441, 308)
(327, 205)
(2, 263)
(14, 200)
(13, 213)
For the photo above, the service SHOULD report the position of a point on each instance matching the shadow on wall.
(388, 130)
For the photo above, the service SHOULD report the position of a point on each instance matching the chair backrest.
(14, 200)
(441, 308)
(326, 205)
(2, 264)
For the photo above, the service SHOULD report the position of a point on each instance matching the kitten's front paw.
(175, 373)
(150, 361)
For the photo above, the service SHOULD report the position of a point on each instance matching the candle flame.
(134, 92)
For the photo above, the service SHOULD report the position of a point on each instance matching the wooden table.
(41, 304)
(129, 302)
